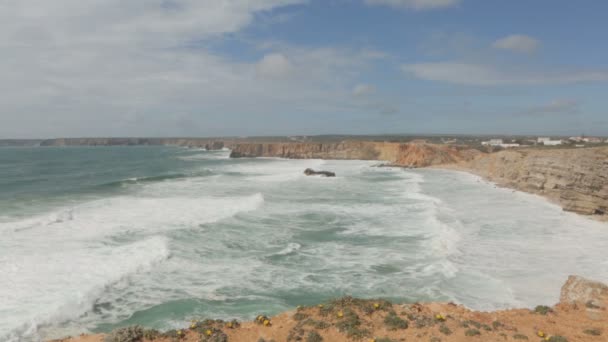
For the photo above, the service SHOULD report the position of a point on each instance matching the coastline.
(580, 315)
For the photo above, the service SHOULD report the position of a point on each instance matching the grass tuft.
(557, 338)
(543, 309)
(314, 336)
(472, 332)
(394, 322)
(593, 332)
(445, 330)
(129, 334)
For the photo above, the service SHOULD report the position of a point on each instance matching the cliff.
(399, 154)
(581, 315)
(577, 179)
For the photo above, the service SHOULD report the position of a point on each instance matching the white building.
(493, 142)
(548, 142)
(498, 142)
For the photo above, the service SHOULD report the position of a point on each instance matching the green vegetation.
(151, 334)
(394, 322)
(543, 309)
(299, 316)
(128, 334)
(317, 324)
(384, 339)
(497, 325)
(445, 330)
(520, 337)
(350, 324)
(557, 338)
(472, 332)
(314, 336)
(593, 332)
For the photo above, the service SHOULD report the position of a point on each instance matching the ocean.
(94, 238)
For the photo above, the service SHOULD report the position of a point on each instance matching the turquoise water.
(98, 237)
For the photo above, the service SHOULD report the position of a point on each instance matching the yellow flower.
(229, 324)
(439, 317)
(540, 333)
(260, 318)
(266, 322)
(372, 340)
(208, 332)
(340, 314)
(321, 306)
(376, 306)
(179, 332)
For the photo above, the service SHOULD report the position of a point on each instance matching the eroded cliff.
(575, 178)
(399, 154)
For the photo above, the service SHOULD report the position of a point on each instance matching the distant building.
(548, 142)
(498, 142)
(493, 142)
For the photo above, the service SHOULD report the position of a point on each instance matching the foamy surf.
(250, 235)
(54, 285)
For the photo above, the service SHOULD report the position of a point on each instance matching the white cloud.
(274, 65)
(363, 89)
(558, 106)
(517, 43)
(415, 4)
(485, 75)
(110, 67)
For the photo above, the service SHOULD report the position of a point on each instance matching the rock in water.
(311, 172)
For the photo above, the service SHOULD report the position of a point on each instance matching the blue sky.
(270, 67)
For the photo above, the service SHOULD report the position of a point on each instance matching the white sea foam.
(47, 283)
(291, 248)
(145, 214)
(259, 230)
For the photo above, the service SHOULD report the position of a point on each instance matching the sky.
(79, 68)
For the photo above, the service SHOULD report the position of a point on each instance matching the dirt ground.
(349, 319)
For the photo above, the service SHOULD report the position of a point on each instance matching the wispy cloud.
(558, 106)
(517, 43)
(487, 75)
(415, 4)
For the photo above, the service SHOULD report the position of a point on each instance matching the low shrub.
(593, 332)
(472, 332)
(394, 322)
(314, 336)
(129, 334)
(543, 309)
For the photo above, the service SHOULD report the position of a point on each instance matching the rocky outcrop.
(577, 179)
(399, 154)
(311, 172)
(578, 290)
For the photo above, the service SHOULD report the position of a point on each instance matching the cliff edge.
(398, 154)
(581, 315)
(577, 179)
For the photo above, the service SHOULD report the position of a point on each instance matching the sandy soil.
(350, 319)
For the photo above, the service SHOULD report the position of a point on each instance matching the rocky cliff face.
(399, 154)
(575, 178)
